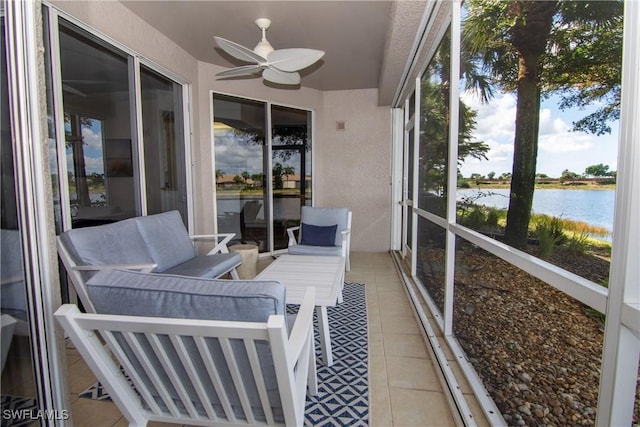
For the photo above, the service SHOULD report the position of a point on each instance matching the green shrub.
(578, 242)
(463, 183)
(476, 218)
(492, 217)
(546, 242)
(552, 226)
(550, 234)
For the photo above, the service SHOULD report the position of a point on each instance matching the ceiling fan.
(71, 86)
(277, 66)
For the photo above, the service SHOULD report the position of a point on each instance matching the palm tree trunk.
(530, 35)
(525, 153)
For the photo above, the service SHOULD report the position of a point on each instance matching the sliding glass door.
(98, 131)
(259, 210)
(240, 157)
(16, 348)
(291, 168)
(124, 131)
(163, 141)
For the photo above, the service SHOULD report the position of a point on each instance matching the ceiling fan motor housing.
(263, 48)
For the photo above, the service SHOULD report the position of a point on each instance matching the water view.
(594, 207)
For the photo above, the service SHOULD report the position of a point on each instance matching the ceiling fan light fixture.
(263, 48)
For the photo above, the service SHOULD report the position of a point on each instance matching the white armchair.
(322, 231)
(196, 351)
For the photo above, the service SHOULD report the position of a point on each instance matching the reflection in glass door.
(239, 141)
(259, 210)
(97, 116)
(291, 169)
(17, 379)
(164, 143)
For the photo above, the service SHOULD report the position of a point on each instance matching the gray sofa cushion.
(117, 243)
(167, 239)
(207, 266)
(160, 295)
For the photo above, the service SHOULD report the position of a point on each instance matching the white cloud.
(91, 139)
(91, 164)
(499, 152)
(496, 119)
(559, 148)
(565, 143)
(234, 158)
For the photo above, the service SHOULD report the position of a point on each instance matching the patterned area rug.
(343, 389)
(16, 410)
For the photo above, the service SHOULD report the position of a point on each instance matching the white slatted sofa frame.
(291, 357)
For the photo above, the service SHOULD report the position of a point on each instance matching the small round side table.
(249, 254)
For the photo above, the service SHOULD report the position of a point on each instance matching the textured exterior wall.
(354, 165)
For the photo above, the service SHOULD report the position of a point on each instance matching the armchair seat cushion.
(207, 266)
(315, 250)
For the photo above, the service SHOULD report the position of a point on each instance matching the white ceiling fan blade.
(294, 59)
(72, 90)
(281, 77)
(240, 71)
(238, 51)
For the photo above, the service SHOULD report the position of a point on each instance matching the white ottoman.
(249, 254)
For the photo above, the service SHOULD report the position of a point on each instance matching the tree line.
(594, 171)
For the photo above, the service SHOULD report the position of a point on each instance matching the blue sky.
(92, 139)
(559, 148)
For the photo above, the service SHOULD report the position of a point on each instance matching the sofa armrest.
(143, 268)
(292, 237)
(221, 246)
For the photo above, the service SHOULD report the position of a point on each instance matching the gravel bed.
(537, 350)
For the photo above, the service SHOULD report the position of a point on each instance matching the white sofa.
(196, 351)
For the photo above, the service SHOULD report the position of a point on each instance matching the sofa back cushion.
(167, 239)
(126, 292)
(117, 243)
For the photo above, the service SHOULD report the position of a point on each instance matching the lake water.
(591, 206)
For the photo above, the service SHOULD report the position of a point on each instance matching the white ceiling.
(366, 43)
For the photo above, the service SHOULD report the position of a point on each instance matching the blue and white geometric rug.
(343, 389)
(16, 411)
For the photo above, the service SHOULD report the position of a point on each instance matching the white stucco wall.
(352, 167)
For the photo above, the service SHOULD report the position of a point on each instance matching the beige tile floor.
(404, 386)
